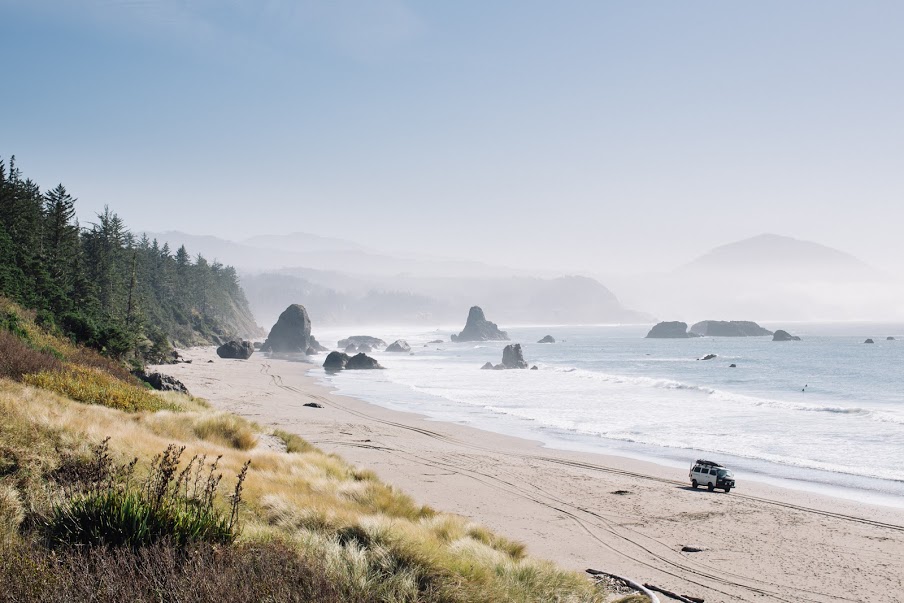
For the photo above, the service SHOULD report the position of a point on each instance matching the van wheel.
(710, 487)
(694, 484)
(727, 490)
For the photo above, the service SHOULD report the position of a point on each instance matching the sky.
(599, 136)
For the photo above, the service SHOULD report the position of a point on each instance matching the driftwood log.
(636, 586)
(675, 596)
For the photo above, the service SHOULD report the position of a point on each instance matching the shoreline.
(582, 509)
(826, 488)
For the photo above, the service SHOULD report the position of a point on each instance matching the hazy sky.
(603, 136)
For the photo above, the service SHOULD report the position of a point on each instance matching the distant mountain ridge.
(266, 253)
(414, 300)
(770, 277)
(781, 255)
(341, 282)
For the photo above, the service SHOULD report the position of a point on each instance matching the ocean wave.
(730, 397)
(561, 427)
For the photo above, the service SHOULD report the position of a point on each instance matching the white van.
(712, 475)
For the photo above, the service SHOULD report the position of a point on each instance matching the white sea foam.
(655, 395)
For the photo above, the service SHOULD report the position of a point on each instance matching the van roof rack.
(708, 463)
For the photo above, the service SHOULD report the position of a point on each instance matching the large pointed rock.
(478, 328)
(291, 333)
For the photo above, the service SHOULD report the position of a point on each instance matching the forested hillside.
(100, 285)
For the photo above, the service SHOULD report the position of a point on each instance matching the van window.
(696, 469)
(712, 471)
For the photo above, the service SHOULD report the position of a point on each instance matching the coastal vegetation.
(109, 494)
(110, 491)
(101, 285)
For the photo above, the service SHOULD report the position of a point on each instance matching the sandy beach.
(760, 543)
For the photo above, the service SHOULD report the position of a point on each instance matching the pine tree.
(61, 244)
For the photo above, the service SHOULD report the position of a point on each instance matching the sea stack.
(292, 332)
(547, 339)
(729, 328)
(513, 357)
(781, 335)
(478, 328)
(670, 330)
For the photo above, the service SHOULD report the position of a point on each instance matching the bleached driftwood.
(636, 586)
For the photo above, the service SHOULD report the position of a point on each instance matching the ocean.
(824, 414)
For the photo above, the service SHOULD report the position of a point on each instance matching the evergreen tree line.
(99, 284)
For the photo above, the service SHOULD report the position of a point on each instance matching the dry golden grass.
(293, 443)
(226, 429)
(94, 386)
(376, 543)
(11, 511)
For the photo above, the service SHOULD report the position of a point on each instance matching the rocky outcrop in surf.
(478, 328)
(399, 345)
(513, 357)
(670, 330)
(547, 339)
(361, 340)
(362, 362)
(337, 361)
(729, 328)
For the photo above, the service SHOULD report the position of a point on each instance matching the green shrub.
(108, 508)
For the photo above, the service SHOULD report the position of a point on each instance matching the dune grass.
(292, 442)
(371, 542)
(313, 527)
(94, 386)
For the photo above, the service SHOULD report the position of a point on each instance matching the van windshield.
(725, 473)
